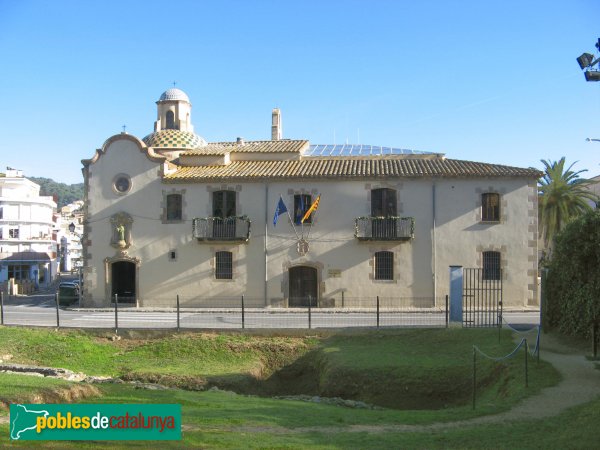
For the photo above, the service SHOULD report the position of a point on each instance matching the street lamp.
(586, 61)
(592, 140)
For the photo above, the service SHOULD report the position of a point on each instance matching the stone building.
(171, 214)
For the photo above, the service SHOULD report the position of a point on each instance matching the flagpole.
(293, 226)
(314, 217)
(311, 223)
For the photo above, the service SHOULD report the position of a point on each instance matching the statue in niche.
(121, 230)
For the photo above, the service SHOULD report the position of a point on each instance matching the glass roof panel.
(359, 150)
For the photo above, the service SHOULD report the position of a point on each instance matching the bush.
(573, 279)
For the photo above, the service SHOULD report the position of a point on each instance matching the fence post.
(177, 312)
(1, 307)
(309, 312)
(526, 365)
(378, 311)
(243, 314)
(56, 299)
(446, 310)
(595, 339)
(474, 375)
(116, 315)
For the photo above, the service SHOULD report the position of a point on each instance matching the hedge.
(572, 288)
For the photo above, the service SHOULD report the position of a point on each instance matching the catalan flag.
(312, 208)
(280, 209)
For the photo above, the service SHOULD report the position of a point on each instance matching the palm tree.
(563, 196)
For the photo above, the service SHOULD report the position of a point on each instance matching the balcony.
(230, 229)
(384, 228)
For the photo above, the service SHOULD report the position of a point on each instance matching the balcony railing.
(384, 228)
(217, 229)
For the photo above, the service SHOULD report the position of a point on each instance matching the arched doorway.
(123, 284)
(303, 286)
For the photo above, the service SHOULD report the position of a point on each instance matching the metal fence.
(482, 297)
(234, 313)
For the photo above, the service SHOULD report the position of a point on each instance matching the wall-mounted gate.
(482, 297)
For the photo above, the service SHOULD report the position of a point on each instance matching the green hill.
(65, 193)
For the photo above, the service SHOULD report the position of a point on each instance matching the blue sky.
(477, 80)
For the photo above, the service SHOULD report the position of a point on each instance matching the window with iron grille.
(302, 203)
(174, 207)
(491, 265)
(224, 266)
(384, 265)
(490, 207)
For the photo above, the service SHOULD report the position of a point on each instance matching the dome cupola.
(173, 127)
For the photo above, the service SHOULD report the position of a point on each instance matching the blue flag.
(280, 209)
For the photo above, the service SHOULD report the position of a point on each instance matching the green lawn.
(432, 365)
(222, 420)
(196, 354)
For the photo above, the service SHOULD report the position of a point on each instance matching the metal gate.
(482, 297)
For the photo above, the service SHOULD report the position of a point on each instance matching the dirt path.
(580, 384)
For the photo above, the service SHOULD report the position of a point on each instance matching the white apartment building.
(171, 214)
(28, 248)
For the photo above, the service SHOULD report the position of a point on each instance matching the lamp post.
(592, 140)
(586, 62)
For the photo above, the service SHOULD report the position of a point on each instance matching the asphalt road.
(40, 310)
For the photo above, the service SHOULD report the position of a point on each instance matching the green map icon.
(23, 420)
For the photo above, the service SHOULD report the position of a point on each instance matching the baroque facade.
(171, 214)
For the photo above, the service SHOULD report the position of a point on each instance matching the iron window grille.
(384, 265)
(223, 265)
(491, 265)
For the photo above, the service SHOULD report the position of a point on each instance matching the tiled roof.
(173, 139)
(219, 148)
(348, 168)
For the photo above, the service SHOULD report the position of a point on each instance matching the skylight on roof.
(359, 150)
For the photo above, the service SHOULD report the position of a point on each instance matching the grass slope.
(406, 364)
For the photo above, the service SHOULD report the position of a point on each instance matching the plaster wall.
(172, 262)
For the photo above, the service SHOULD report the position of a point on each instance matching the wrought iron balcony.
(217, 229)
(384, 228)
